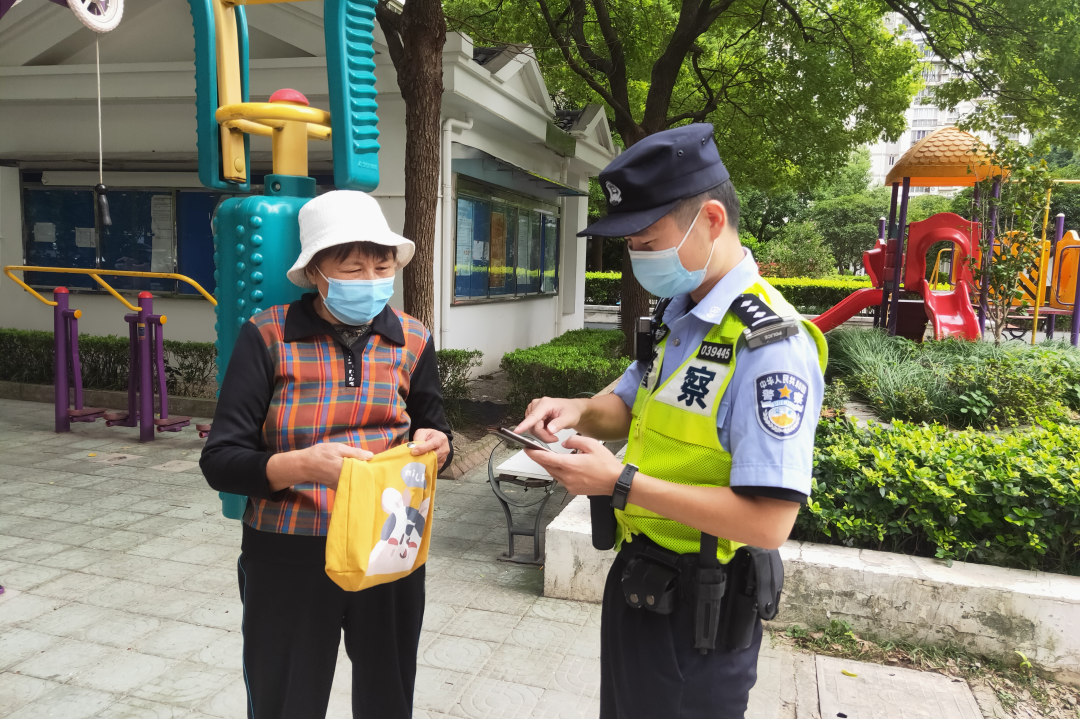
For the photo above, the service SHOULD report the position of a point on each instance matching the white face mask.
(662, 273)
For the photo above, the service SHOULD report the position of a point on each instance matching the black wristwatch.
(622, 487)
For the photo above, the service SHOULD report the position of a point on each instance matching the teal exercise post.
(257, 237)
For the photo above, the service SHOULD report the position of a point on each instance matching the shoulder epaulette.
(763, 325)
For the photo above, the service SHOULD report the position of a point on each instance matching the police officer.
(720, 414)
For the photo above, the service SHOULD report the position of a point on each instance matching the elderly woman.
(336, 374)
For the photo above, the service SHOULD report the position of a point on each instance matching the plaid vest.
(313, 403)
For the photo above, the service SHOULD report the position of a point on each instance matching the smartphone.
(526, 442)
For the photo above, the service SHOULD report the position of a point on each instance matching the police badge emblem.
(781, 403)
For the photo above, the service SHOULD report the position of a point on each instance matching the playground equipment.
(948, 157)
(98, 15)
(257, 238)
(146, 353)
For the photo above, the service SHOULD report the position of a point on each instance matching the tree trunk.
(597, 251)
(634, 302)
(418, 63)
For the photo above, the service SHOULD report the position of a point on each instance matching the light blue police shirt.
(759, 457)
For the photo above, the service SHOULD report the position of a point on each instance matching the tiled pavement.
(121, 599)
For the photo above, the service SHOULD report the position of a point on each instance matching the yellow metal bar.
(253, 2)
(114, 293)
(1044, 252)
(115, 273)
(937, 265)
(227, 48)
(268, 112)
(28, 288)
(266, 128)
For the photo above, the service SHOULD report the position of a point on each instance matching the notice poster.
(44, 232)
(497, 271)
(464, 244)
(85, 237)
(164, 243)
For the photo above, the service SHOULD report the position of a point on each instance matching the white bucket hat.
(340, 217)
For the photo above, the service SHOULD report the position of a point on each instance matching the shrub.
(958, 383)
(27, 356)
(455, 366)
(1011, 499)
(798, 250)
(602, 288)
(576, 362)
(814, 296)
(810, 296)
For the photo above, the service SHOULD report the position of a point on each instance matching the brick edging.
(478, 454)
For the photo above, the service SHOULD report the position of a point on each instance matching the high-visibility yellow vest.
(673, 434)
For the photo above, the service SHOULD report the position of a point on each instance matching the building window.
(917, 135)
(507, 244)
(152, 231)
(892, 160)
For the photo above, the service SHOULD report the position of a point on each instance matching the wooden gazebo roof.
(947, 157)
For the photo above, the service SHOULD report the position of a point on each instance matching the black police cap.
(644, 183)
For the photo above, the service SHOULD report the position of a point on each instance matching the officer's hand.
(592, 471)
(427, 439)
(546, 416)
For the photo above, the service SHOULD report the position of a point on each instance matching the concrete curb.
(988, 610)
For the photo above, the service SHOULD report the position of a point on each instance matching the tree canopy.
(790, 86)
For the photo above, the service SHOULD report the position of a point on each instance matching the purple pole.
(1075, 338)
(898, 270)
(1059, 232)
(133, 371)
(146, 387)
(60, 364)
(76, 365)
(984, 293)
(159, 363)
(879, 318)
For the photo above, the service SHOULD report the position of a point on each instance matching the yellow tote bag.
(380, 526)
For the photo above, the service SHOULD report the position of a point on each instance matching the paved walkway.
(121, 599)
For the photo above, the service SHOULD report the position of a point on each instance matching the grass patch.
(961, 384)
(1016, 686)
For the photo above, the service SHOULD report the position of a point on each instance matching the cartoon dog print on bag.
(404, 529)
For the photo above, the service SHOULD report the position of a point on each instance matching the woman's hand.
(320, 463)
(427, 440)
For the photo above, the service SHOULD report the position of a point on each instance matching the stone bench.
(987, 610)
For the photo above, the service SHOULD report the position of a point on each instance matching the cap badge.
(614, 193)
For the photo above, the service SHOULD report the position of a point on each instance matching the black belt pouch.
(756, 580)
(603, 521)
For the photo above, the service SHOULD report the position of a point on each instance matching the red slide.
(951, 312)
(857, 301)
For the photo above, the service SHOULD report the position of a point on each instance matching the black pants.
(293, 617)
(649, 667)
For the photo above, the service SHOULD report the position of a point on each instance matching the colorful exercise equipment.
(146, 356)
(257, 238)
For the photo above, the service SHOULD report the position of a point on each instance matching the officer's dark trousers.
(293, 618)
(650, 669)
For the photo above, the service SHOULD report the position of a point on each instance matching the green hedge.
(27, 356)
(810, 296)
(1010, 499)
(576, 362)
(602, 288)
(455, 366)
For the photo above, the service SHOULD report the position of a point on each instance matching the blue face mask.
(662, 273)
(357, 302)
